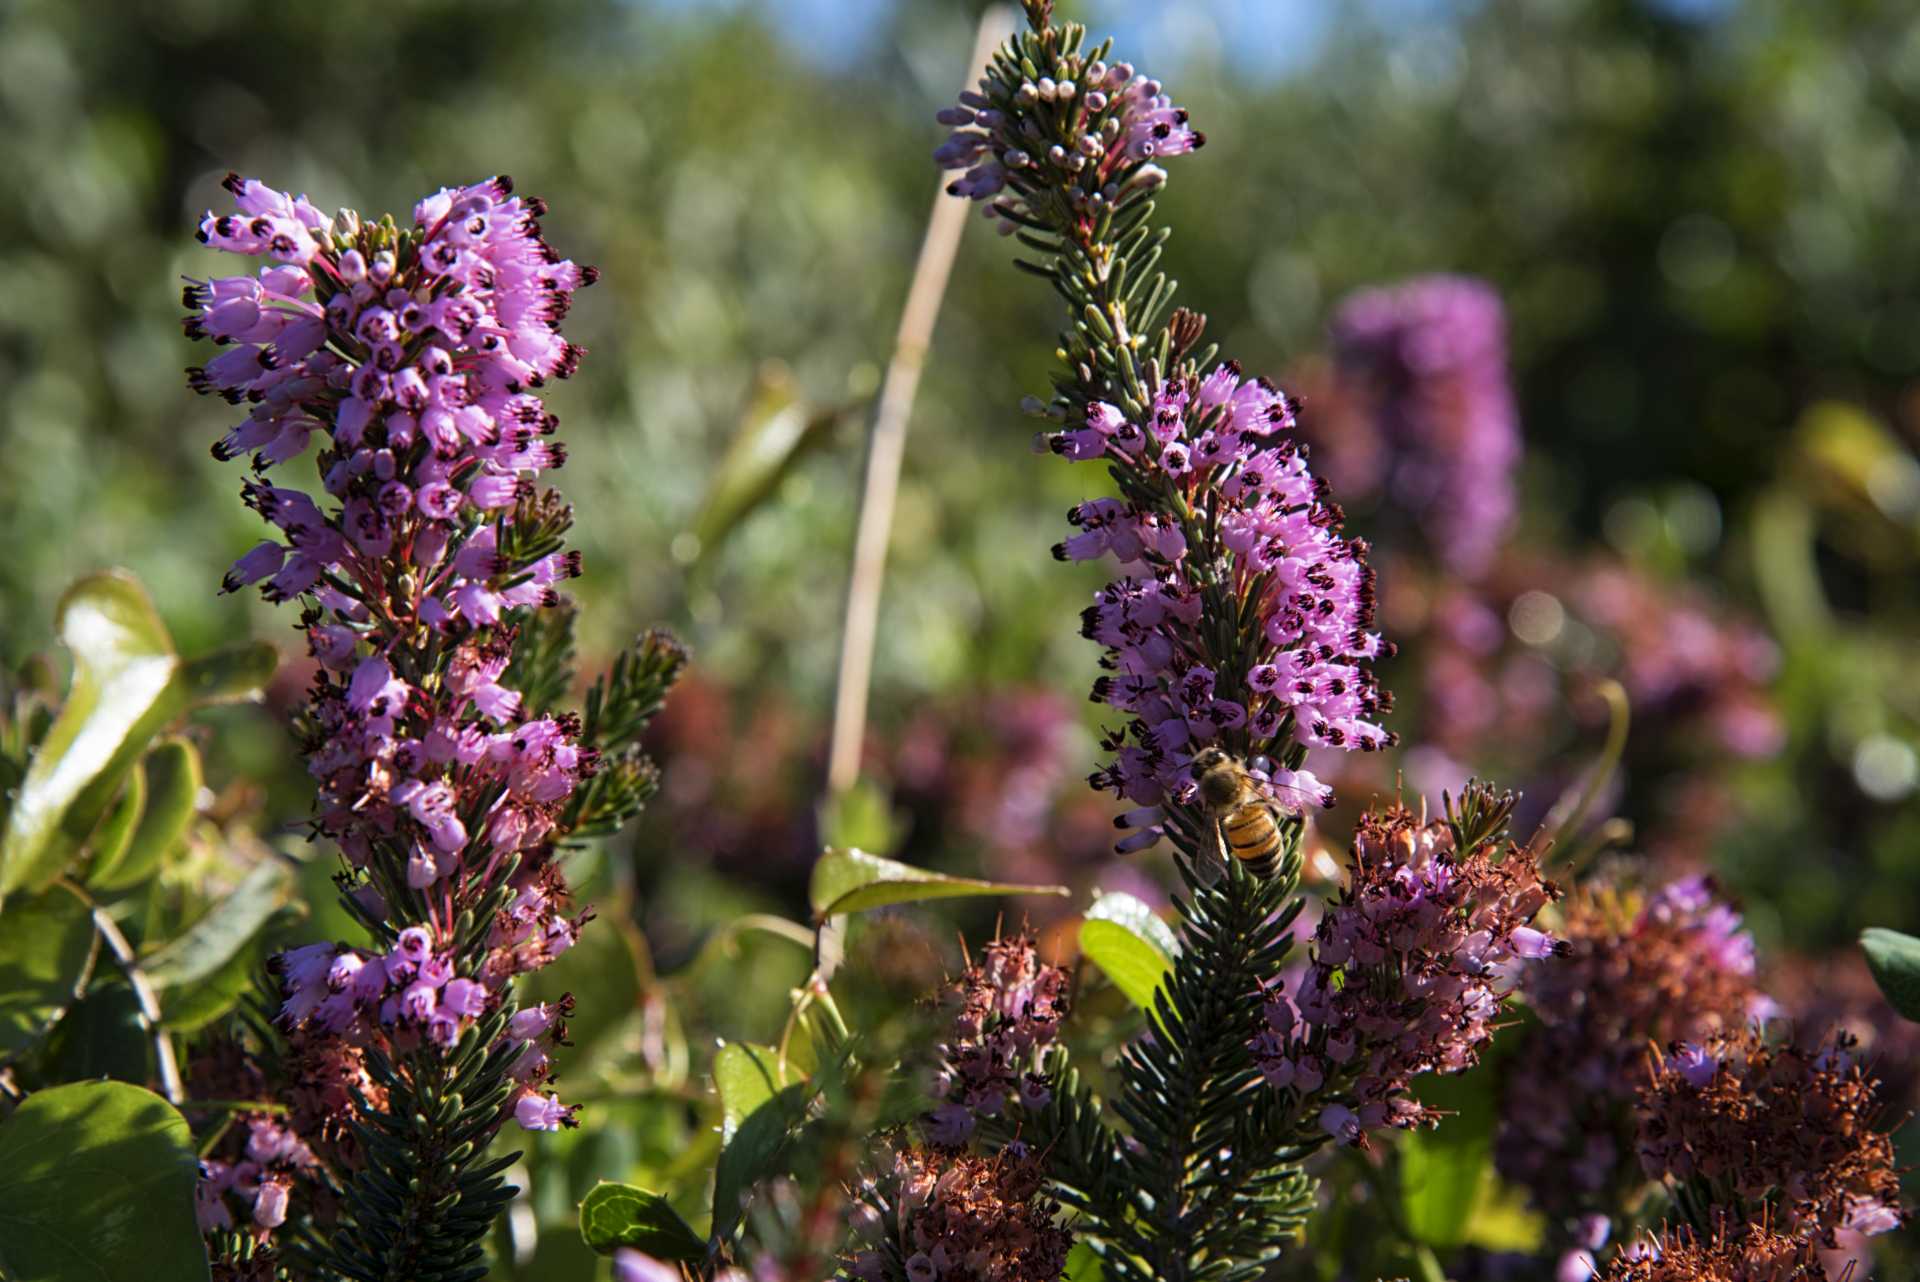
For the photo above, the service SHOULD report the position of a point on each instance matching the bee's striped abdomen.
(1254, 839)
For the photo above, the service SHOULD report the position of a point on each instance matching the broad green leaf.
(47, 949)
(223, 929)
(1083, 1265)
(851, 881)
(96, 1184)
(753, 1155)
(861, 817)
(1503, 1221)
(1895, 960)
(616, 1215)
(110, 841)
(122, 693)
(1133, 946)
(102, 1036)
(747, 1076)
(172, 772)
(1443, 1171)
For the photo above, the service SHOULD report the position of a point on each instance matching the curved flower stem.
(886, 447)
(123, 957)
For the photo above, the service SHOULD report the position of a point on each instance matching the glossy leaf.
(747, 1076)
(223, 929)
(96, 1183)
(753, 1154)
(1133, 946)
(122, 692)
(47, 950)
(1895, 960)
(617, 1215)
(173, 780)
(851, 881)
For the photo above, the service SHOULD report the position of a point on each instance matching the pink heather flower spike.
(406, 361)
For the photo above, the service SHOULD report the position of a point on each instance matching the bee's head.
(1208, 759)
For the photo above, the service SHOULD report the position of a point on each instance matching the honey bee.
(1246, 820)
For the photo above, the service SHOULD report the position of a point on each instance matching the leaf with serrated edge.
(617, 1215)
(96, 1182)
(851, 881)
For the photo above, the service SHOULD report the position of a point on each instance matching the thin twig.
(885, 447)
(129, 964)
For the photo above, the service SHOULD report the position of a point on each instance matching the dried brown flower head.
(1780, 1133)
(1757, 1254)
(953, 1217)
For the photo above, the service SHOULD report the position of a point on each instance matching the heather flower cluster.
(1010, 1007)
(1675, 965)
(943, 1216)
(407, 360)
(1780, 1134)
(1410, 969)
(1435, 430)
(1241, 616)
(1229, 528)
(411, 994)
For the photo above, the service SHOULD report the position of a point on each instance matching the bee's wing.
(1211, 865)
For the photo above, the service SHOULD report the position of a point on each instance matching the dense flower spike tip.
(1410, 968)
(1242, 617)
(1009, 1008)
(1427, 362)
(411, 356)
(942, 1216)
(1643, 971)
(1785, 1132)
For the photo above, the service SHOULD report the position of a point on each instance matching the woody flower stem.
(886, 446)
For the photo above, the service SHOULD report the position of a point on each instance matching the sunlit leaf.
(96, 1182)
(1083, 1265)
(851, 881)
(1133, 946)
(224, 929)
(122, 692)
(617, 1215)
(47, 950)
(1895, 960)
(747, 1076)
(172, 773)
